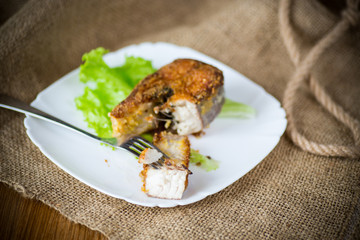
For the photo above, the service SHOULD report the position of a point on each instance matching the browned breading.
(184, 79)
(196, 80)
(178, 149)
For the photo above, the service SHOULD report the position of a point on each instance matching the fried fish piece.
(186, 94)
(149, 155)
(170, 180)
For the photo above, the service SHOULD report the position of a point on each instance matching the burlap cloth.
(291, 194)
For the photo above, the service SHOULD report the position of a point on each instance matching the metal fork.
(134, 145)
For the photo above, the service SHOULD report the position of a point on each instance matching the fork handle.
(19, 106)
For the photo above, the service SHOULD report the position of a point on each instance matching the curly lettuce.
(204, 162)
(232, 109)
(106, 87)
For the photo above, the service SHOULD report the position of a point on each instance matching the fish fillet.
(183, 96)
(170, 180)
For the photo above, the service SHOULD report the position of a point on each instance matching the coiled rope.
(302, 74)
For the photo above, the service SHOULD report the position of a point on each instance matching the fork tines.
(136, 145)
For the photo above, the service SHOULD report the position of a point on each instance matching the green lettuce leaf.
(232, 109)
(147, 136)
(204, 162)
(134, 70)
(106, 87)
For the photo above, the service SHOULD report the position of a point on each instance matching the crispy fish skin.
(185, 85)
(171, 180)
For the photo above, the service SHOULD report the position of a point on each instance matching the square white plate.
(238, 144)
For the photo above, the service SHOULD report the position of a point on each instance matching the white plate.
(238, 144)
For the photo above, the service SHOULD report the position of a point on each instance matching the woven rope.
(350, 16)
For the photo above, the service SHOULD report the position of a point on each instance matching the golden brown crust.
(193, 79)
(164, 141)
(143, 176)
(142, 155)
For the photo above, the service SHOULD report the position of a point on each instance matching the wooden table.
(23, 218)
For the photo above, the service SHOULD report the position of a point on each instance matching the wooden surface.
(22, 218)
